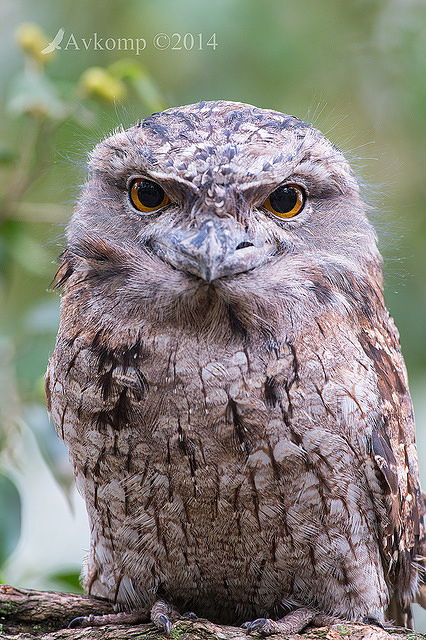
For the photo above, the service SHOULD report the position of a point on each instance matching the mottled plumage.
(228, 379)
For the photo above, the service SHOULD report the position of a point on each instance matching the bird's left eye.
(147, 196)
(286, 201)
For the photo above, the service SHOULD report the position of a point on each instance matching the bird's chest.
(172, 424)
(187, 452)
(163, 415)
(203, 413)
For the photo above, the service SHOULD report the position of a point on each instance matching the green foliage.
(68, 581)
(10, 526)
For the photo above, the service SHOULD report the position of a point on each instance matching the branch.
(26, 614)
(27, 611)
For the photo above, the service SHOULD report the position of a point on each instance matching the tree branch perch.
(26, 614)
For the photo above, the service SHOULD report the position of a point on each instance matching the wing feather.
(394, 452)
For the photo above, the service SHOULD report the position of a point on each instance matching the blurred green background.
(356, 69)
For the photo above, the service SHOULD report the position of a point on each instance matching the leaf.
(69, 579)
(7, 155)
(10, 523)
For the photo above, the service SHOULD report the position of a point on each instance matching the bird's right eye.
(147, 196)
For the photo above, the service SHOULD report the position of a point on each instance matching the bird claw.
(372, 620)
(78, 622)
(163, 615)
(160, 613)
(164, 624)
(293, 622)
(119, 618)
(189, 615)
(260, 625)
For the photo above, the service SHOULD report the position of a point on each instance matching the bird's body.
(228, 379)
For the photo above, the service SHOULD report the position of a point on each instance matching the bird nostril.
(243, 245)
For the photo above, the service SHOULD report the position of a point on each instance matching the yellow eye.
(147, 196)
(286, 201)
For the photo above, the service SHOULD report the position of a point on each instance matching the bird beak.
(216, 248)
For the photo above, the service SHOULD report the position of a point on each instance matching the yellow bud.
(97, 82)
(32, 40)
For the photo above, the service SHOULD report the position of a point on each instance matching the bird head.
(226, 201)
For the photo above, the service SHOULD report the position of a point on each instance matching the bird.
(229, 382)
